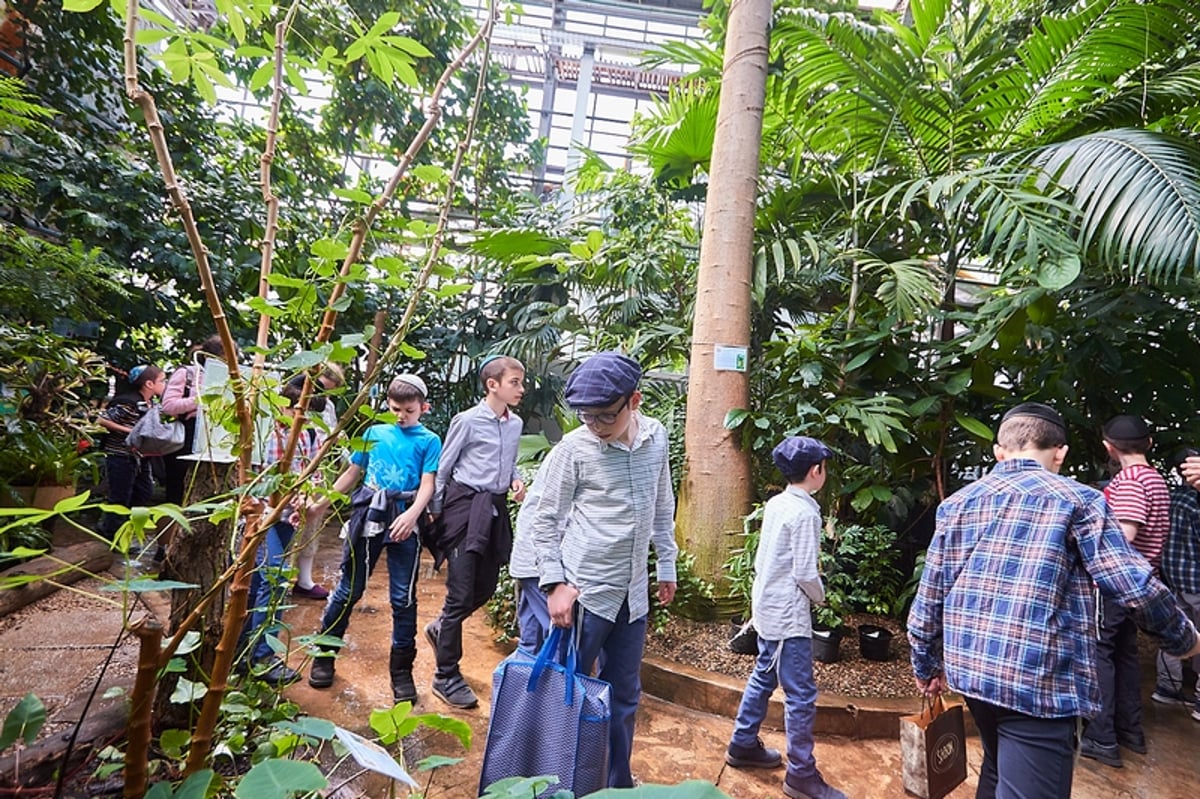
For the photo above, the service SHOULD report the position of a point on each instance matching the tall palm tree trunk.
(715, 492)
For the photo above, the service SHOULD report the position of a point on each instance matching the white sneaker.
(1165, 696)
(1196, 711)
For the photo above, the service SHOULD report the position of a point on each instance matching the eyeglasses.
(606, 417)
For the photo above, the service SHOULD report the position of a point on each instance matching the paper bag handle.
(935, 707)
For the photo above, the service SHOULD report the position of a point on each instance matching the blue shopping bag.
(546, 719)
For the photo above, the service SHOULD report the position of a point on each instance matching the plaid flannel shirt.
(1181, 555)
(1005, 608)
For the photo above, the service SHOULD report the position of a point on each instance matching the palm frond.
(1139, 194)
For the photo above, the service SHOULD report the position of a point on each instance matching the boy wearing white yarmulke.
(398, 468)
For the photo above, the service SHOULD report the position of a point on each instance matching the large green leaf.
(23, 722)
(280, 779)
(1139, 192)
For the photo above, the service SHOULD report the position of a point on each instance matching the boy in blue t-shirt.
(400, 463)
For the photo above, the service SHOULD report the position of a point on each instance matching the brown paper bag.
(933, 748)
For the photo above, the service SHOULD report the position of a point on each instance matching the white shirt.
(786, 579)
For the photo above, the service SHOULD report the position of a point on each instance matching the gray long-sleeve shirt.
(480, 452)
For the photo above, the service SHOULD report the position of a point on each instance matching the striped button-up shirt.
(480, 452)
(1181, 555)
(786, 580)
(601, 506)
(1005, 608)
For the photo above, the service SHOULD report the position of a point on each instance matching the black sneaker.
(1133, 741)
(1108, 754)
(813, 787)
(278, 674)
(757, 756)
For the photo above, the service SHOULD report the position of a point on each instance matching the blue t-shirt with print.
(398, 456)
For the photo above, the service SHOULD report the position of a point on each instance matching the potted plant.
(45, 384)
(828, 628)
(38, 469)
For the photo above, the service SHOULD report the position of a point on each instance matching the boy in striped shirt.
(1139, 498)
(605, 498)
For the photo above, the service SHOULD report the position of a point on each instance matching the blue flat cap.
(795, 455)
(601, 380)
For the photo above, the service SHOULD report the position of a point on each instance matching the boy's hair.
(405, 389)
(1128, 435)
(1030, 432)
(291, 391)
(333, 373)
(495, 366)
(798, 472)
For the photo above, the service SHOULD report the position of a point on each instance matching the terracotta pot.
(48, 495)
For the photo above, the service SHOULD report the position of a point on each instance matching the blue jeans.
(268, 586)
(787, 663)
(1024, 757)
(359, 557)
(533, 615)
(618, 646)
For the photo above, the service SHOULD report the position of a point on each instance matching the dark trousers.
(129, 484)
(617, 647)
(1119, 675)
(1024, 757)
(359, 557)
(470, 582)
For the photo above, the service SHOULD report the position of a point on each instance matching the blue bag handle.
(548, 656)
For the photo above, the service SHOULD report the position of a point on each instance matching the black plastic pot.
(874, 643)
(745, 639)
(825, 643)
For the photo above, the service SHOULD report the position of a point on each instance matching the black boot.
(321, 674)
(400, 666)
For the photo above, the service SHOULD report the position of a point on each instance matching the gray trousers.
(1169, 667)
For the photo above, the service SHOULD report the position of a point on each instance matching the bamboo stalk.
(149, 633)
(210, 707)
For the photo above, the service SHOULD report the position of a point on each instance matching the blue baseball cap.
(797, 454)
(601, 380)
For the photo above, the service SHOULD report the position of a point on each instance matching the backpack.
(155, 435)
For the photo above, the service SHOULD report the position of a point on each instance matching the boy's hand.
(518, 490)
(666, 593)
(561, 604)
(403, 526)
(1190, 469)
(935, 686)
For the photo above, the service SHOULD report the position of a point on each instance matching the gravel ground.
(706, 646)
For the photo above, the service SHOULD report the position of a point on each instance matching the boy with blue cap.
(787, 584)
(604, 497)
